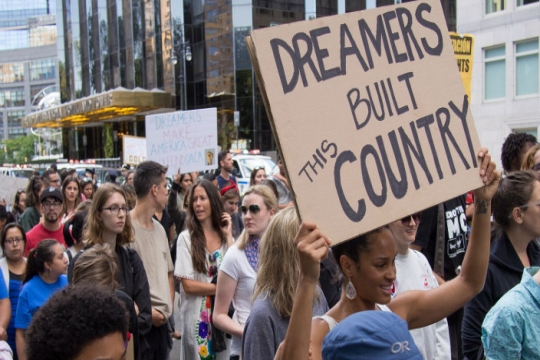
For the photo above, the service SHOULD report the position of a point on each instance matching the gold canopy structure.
(117, 103)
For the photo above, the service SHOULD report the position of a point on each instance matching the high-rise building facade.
(506, 69)
(28, 59)
(193, 50)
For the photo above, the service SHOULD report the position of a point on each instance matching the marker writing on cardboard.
(412, 148)
(392, 28)
(319, 159)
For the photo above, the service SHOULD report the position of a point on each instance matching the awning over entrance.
(117, 103)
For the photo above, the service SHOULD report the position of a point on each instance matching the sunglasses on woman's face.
(254, 209)
(407, 220)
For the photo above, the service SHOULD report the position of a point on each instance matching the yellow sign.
(463, 49)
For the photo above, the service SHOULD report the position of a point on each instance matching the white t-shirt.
(414, 273)
(236, 265)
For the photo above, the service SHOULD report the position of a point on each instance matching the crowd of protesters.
(92, 272)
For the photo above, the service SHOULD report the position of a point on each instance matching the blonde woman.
(238, 272)
(269, 318)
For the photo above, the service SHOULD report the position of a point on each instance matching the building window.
(494, 83)
(12, 97)
(42, 69)
(495, 5)
(531, 131)
(527, 67)
(526, 2)
(10, 73)
(14, 117)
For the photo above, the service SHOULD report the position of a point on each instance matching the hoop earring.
(350, 291)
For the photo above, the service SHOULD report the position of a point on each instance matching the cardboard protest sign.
(10, 185)
(369, 114)
(134, 149)
(183, 139)
(463, 50)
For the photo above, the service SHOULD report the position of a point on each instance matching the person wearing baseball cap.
(370, 334)
(50, 226)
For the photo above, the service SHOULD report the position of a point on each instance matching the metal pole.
(184, 100)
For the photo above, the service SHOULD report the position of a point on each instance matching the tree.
(20, 149)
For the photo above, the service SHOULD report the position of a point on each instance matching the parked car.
(18, 172)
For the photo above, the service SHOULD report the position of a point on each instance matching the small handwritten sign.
(183, 139)
(134, 149)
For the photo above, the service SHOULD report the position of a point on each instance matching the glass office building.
(193, 50)
(27, 59)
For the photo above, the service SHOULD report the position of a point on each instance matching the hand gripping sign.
(369, 113)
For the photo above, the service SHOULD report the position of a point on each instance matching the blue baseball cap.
(372, 334)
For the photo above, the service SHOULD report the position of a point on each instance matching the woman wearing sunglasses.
(200, 251)
(516, 210)
(238, 273)
(413, 272)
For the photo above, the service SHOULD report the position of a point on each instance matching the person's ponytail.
(35, 264)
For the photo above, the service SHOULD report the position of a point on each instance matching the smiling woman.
(367, 264)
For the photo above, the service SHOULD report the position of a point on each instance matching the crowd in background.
(93, 271)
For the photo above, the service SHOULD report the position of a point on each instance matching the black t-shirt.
(455, 237)
(165, 221)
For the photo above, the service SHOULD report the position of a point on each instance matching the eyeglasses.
(257, 168)
(254, 209)
(56, 181)
(115, 210)
(14, 240)
(407, 220)
(50, 204)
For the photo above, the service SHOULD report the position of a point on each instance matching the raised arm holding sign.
(376, 100)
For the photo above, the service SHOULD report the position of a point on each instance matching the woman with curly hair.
(109, 223)
(200, 251)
